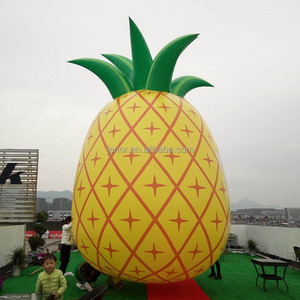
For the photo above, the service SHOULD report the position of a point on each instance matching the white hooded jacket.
(67, 235)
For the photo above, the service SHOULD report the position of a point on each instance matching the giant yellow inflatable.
(150, 201)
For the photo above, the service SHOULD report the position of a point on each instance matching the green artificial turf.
(239, 277)
(26, 284)
(238, 282)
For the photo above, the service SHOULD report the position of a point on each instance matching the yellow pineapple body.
(150, 201)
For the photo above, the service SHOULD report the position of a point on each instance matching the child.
(51, 280)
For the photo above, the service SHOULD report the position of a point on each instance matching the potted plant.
(18, 259)
(252, 247)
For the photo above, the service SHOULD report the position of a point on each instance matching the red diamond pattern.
(192, 129)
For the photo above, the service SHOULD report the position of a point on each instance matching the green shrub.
(40, 218)
(40, 229)
(35, 241)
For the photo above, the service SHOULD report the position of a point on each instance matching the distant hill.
(54, 194)
(246, 203)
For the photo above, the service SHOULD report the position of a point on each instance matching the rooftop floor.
(238, 282)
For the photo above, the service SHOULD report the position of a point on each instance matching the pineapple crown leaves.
(123, 75)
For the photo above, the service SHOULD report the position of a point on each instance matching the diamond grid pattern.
(155, 216)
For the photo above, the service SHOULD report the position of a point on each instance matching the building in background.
(286, 217)
(18, 185)
(61, 204)
(292, 213)
(58, 215)
(259, 213)
(41, 205)
(59, 209)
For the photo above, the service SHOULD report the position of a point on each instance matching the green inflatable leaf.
(116, 83)
(141, 57)
(182, 85)
(123, 63)
(125, 75)
(162, 69)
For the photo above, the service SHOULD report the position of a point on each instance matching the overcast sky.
(249, 50)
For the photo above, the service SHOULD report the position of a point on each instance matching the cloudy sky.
(249, 50)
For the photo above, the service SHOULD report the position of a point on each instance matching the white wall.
(270, 239)
(11, 236)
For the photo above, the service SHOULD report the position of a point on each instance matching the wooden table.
(267, 276)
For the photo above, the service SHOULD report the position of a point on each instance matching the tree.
(39, 228)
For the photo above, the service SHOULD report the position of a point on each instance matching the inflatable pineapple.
(150, 201)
